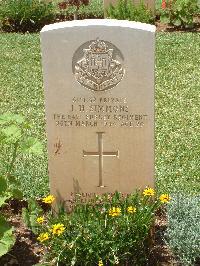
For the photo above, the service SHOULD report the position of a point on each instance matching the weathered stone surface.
(99, 99)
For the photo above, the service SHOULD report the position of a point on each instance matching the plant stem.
(14, 156)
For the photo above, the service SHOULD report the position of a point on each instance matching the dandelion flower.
(58, 229)
(131, 209)
(165, 198)
(43, 237)
(49, 199)
(149, 192)
(100, 263)
(115, 211)
(40, 220)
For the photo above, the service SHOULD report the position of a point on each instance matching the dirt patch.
(161, 255)
(26, 251)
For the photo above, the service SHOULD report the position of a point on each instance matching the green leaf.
(9, 117)
(33, 222)
(164, 19)
(4, 226)
(16, 193)
(32, 145)
(30, 219)
(3, 185)
(31, 214)
(33, 206)
(179, 8)
(7, 239)
(11, 133)
(25, 217)
(3, 199)
(12, 181)
(177, 22)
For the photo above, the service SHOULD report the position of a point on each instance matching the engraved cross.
(100, 153)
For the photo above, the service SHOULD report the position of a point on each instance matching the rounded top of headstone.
(100, 22)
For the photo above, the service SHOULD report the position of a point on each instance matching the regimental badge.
(97, 65)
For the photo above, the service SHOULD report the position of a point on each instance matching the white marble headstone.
(99, 99)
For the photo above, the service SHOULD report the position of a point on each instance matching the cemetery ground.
(177, 130)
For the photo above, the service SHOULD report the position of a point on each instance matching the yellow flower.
(149, 192)
(115, 211)
(49, 199)
(43, 237)
(131, 209)
(165, 198)
(58, 229)
(100, 263)
(40, 220)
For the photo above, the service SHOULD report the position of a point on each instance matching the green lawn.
(178, 111)
(177, 107)
(22, 92)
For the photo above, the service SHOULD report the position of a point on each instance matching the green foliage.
(179, 13)
(183, 231)
(7, 239)
(13, 141)
(22, 92)
(30, 215)
(93, 10)
(25, 15)
(3, 193)
(126, 9)
(112, 228)
(8, 189)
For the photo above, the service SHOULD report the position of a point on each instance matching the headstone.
(149, 3)
(99, 99)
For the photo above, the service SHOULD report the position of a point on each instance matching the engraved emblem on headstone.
(101, 153)
(97, 65)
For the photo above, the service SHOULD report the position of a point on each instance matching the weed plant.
(183, 231)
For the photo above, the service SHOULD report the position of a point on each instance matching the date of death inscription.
(97, 112)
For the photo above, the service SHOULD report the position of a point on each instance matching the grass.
(177, 112)
(22, 92)
(177, 107)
